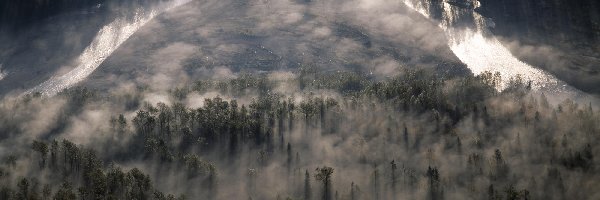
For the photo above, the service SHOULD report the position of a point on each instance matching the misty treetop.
(340, 135)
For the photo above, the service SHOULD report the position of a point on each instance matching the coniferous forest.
(414, 136)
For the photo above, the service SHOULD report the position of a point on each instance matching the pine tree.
(307, 189)
(434, 183)
(394, 178)
(324, 174)
(406, 137)
(289, 158)
(41, 148)
(65, 192)
(352, 192)
(375, 184)
(23, 189)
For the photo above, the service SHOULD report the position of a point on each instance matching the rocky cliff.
(571, 28)
(18, 14)
(556, 20)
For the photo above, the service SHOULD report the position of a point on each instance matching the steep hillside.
(561, 36)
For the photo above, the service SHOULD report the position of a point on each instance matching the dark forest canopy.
(344, 136)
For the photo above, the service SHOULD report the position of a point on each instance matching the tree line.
(417, 135)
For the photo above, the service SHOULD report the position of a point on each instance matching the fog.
(262, 99)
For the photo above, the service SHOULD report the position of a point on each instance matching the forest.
(305, 134)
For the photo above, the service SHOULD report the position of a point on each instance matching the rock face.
(40, 37)
(18, 14)
(558, 36)
(571, 28)
(219, 38)
(557, 20)
(229, 37)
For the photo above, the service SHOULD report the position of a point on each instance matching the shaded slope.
(222, 38)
